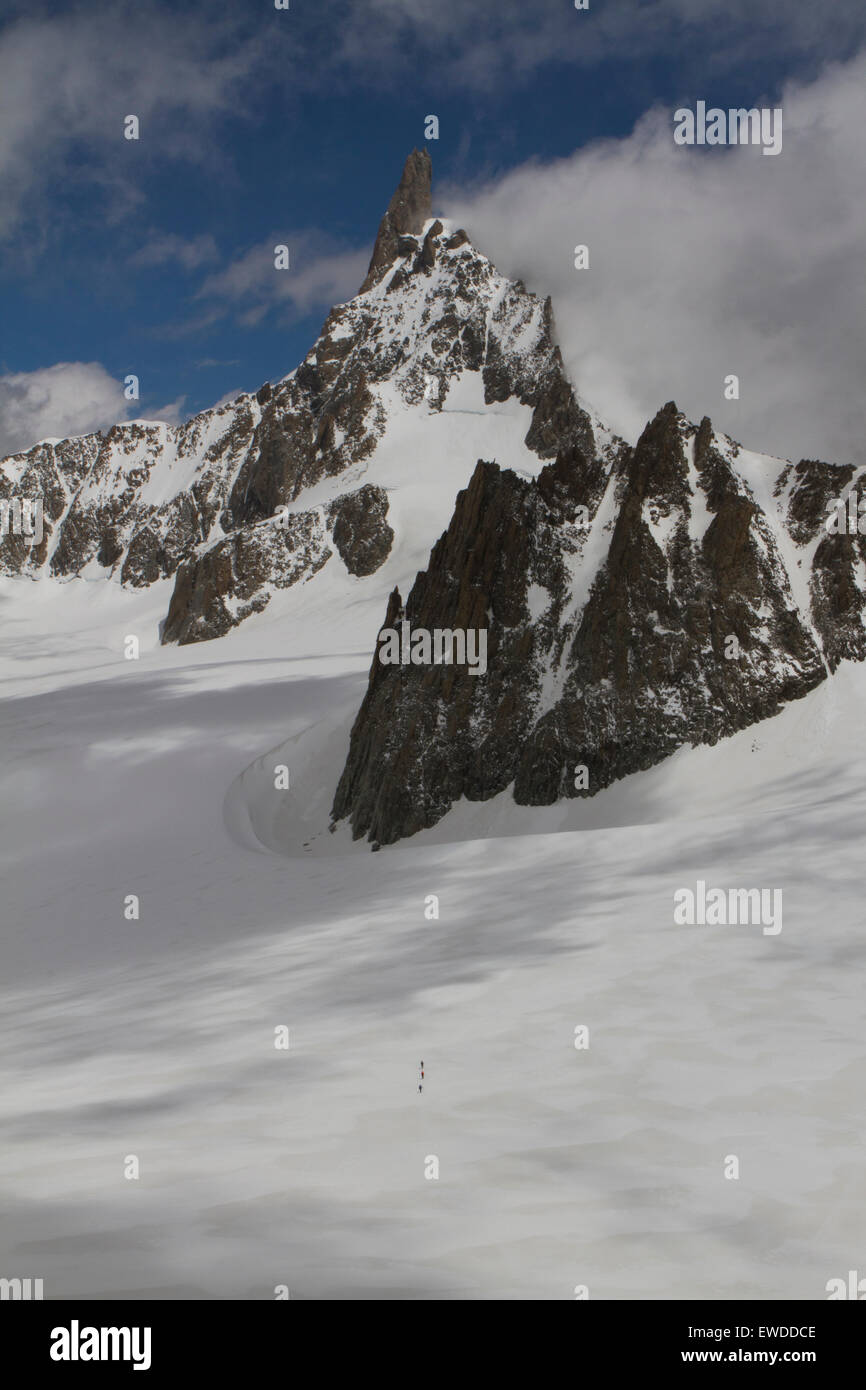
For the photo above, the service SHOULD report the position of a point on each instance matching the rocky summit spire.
(408, 210)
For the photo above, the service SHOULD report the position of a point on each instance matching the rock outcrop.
(217, 589)
(408, 210)
(631, 607)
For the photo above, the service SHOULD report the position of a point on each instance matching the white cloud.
(68, 81)
(481, 46)
(54, 402)
(228, 397)
(67, 399)
(705, 262)
(189, 252)
(321, 273)
(170, 414)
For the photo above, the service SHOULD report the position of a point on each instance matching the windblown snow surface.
(558, 1166)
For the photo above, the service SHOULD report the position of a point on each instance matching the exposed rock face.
(104, 494)
(664, 614)
(838, 560)
(361, 532)
(217, 589)
(408, 210)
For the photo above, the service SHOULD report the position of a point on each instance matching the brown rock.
(408, 210)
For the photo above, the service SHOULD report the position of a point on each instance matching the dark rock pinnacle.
(408, 210)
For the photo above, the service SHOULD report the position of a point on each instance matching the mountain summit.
(256, 497)
(409, 209)
(634, 598)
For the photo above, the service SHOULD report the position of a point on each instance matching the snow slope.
(558, 1167)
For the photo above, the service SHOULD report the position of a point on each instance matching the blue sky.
(260, 125)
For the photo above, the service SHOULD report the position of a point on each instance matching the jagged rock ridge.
(685, 610)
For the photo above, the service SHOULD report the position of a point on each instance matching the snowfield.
(558, 1167)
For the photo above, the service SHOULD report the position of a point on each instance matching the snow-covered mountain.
(430, 444)
(258, 495)
(152, 781)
